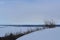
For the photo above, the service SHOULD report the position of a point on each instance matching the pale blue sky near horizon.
(29, 11)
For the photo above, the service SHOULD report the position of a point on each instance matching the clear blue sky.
(29, 11)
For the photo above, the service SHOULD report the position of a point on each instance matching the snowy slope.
(8, 30)
(47, 34)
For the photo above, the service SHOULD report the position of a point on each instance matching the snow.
(47, 34)
(8, 30)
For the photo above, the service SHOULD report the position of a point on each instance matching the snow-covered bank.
(47, 34)
(8, 30)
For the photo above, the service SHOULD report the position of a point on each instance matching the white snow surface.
(47, 34)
